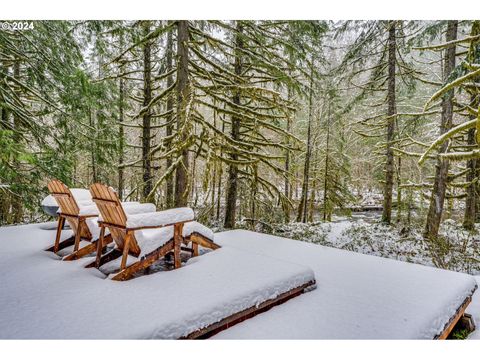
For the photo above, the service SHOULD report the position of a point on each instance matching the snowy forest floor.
(457, 249)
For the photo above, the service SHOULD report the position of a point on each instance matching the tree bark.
(169, 129)
(231, 199)
(471, 201)
(302, 207)
(439, 187)
(326, 211)
(183, 96)
(147, 117)
(17, 204)
(5, 198)
(121, 132)
(219, 185)
(287, 166)
(391, 100)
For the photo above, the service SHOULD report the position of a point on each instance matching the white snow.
(193, 226)
(474, 310)
(78, 194)
(160, 218)
(151, 239)
(130, 207)
(43, 297)
(357, 297)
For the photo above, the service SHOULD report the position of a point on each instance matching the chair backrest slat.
(112, 213)
(64, 198)
(68, 206)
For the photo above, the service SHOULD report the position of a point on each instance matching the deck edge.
(250, 312)
(456, 317)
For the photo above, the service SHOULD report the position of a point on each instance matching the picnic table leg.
(177, 238)
(61, 222)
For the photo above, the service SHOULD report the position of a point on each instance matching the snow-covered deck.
(43, 297)
(357, 296)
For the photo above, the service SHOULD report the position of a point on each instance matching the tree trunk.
(219, 185)
(183, 96)
(391, 100)
(214, 175)
(471, 201)
(287, 166)
(477, 194)
(169, 130)
(399, 190)
(5, 198)
(121, 132)
(439, 187)
(326, 211)
(93, 150)
(17, 204)
(147, 116)
(302, 207)
(231, 200)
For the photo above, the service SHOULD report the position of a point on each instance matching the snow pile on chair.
(160, 218)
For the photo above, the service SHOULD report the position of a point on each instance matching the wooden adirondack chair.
(115, 219)
(70, 212)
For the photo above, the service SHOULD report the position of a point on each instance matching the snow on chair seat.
(132, 207)
(81, 213)
(160, 218)
(128, 232)
(69, 211)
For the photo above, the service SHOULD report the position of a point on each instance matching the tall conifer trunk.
(147, 117)
(441, 171)
(391, 100)
(183, 96)
(302, 206)
(169, 119)
(121, 132)
(17, 202)
(473, 165)
(231, 200)
(326, 211)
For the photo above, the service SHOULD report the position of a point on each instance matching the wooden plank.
(63, 244)
(104, 201)
(201, 240)
(236, 318)
(125, 250)
(129, 271)
(61, 222)
(109, 256)
(177, 239)
(454, 319)
(100, 246)
(78, 235)
(86, 250)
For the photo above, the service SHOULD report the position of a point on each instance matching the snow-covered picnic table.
(357, 296)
